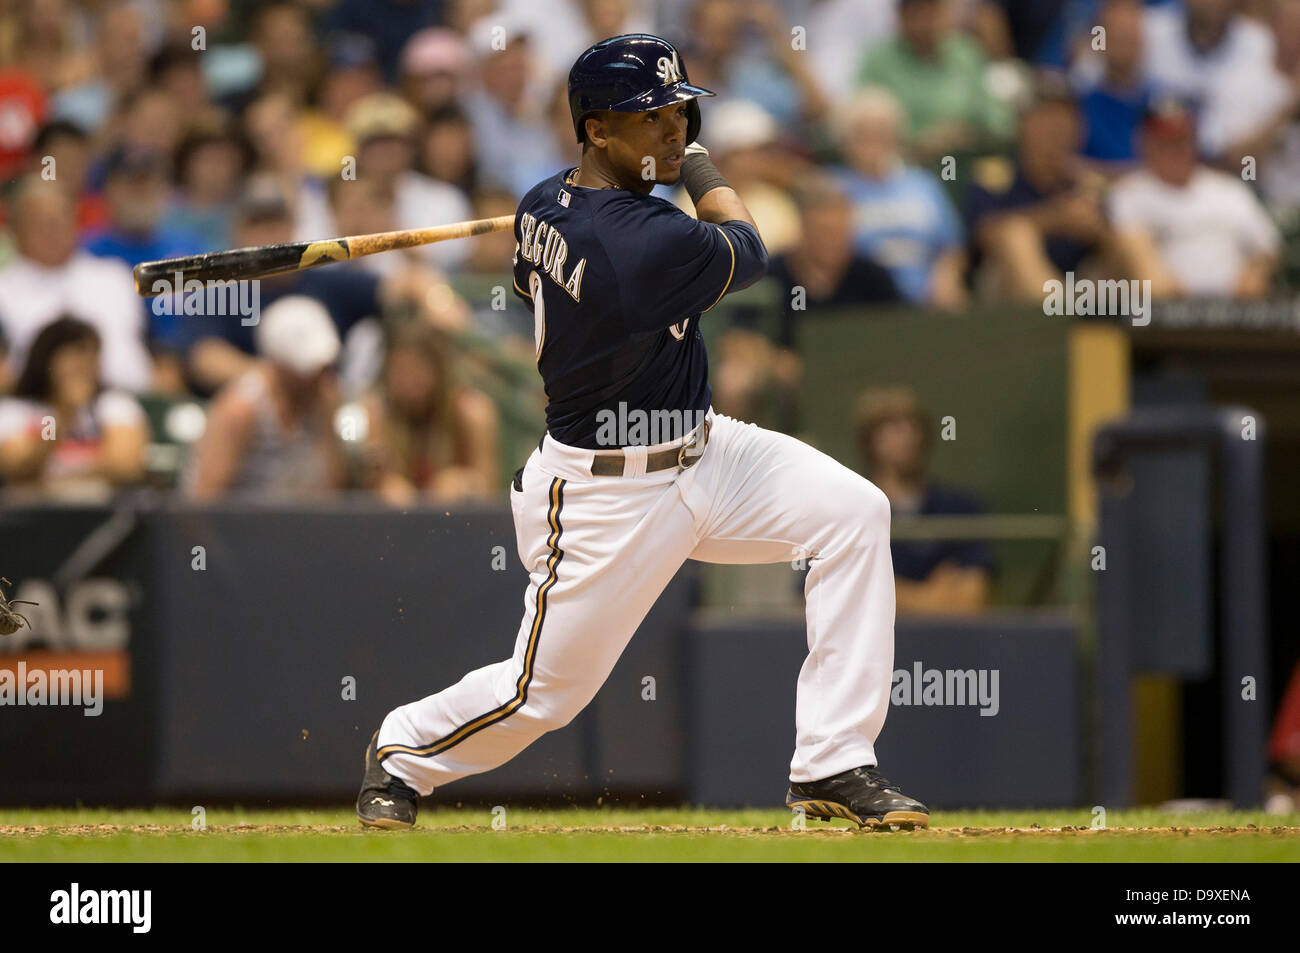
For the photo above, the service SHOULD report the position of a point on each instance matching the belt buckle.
(685, 459)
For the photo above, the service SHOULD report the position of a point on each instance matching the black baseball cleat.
(862, 795)
(385, 801)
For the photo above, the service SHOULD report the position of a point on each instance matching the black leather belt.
(610, 463)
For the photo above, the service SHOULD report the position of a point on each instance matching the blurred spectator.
(743, 142)
(351, 74)
(510, 133)
(931, 576)
(120, 63)
(1207, 53)
(434, 66)
(177, 72)
(1114, 94)
(839, 30)
(447, 149)
(39, 38)
(221, 348)
(385, 126)
(1043, 216)
(902, 216)
(428, 435)
(822, 272)
(742, 49)
(68, 145)
(270, 431)
(491, 254)
(562, 150)
(149, 119)
(1274, 141)
(938, 74)
(275, 137)
(136, 189)
(281, 32)
(1191, 230)
(61, 433)
(23, 106)
(51, 277)
(390, 23)
(210, 165)
(363, 206)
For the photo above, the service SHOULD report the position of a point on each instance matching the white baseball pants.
(600, 550)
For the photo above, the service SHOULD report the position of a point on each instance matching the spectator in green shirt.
(938, 74)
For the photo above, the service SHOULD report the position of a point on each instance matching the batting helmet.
(634, 73)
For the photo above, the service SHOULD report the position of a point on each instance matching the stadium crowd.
(913, 153)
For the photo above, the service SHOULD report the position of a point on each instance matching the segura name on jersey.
(541, 243)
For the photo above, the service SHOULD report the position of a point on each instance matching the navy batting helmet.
(634, 73)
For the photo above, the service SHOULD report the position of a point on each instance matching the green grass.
(637, 835)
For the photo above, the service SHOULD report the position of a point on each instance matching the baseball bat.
(262, 261)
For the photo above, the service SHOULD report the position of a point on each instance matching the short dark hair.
(57, 129)
(34, 382)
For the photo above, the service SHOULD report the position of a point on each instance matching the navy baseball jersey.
(617, 282)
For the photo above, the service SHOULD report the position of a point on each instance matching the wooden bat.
(262, 261)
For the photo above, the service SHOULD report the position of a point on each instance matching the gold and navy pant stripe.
(501, 712)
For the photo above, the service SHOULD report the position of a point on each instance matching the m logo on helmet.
(669, 70)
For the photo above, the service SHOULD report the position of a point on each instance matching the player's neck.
(594, 173)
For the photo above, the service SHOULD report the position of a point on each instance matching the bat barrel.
(170, 275)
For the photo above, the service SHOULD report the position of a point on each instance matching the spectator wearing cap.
(62, 433)
(433, 69)
(386, 127)
(270, 431)
(351, 74)
(1210, 55)
(938, 75)
(1114, 93)
(930, 576)
(136, 190)
(902, 216)
(389, 23)
(1035, 219)
(51, 277)
(1191, 230)
(23, 106)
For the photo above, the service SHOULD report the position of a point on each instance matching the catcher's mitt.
(11, 621)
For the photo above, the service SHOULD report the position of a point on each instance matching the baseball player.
(636, 474)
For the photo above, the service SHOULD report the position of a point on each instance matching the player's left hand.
(695, 148)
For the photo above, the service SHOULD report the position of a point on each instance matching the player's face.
(644, 149)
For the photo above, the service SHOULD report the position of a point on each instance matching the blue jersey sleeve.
(672, 267)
